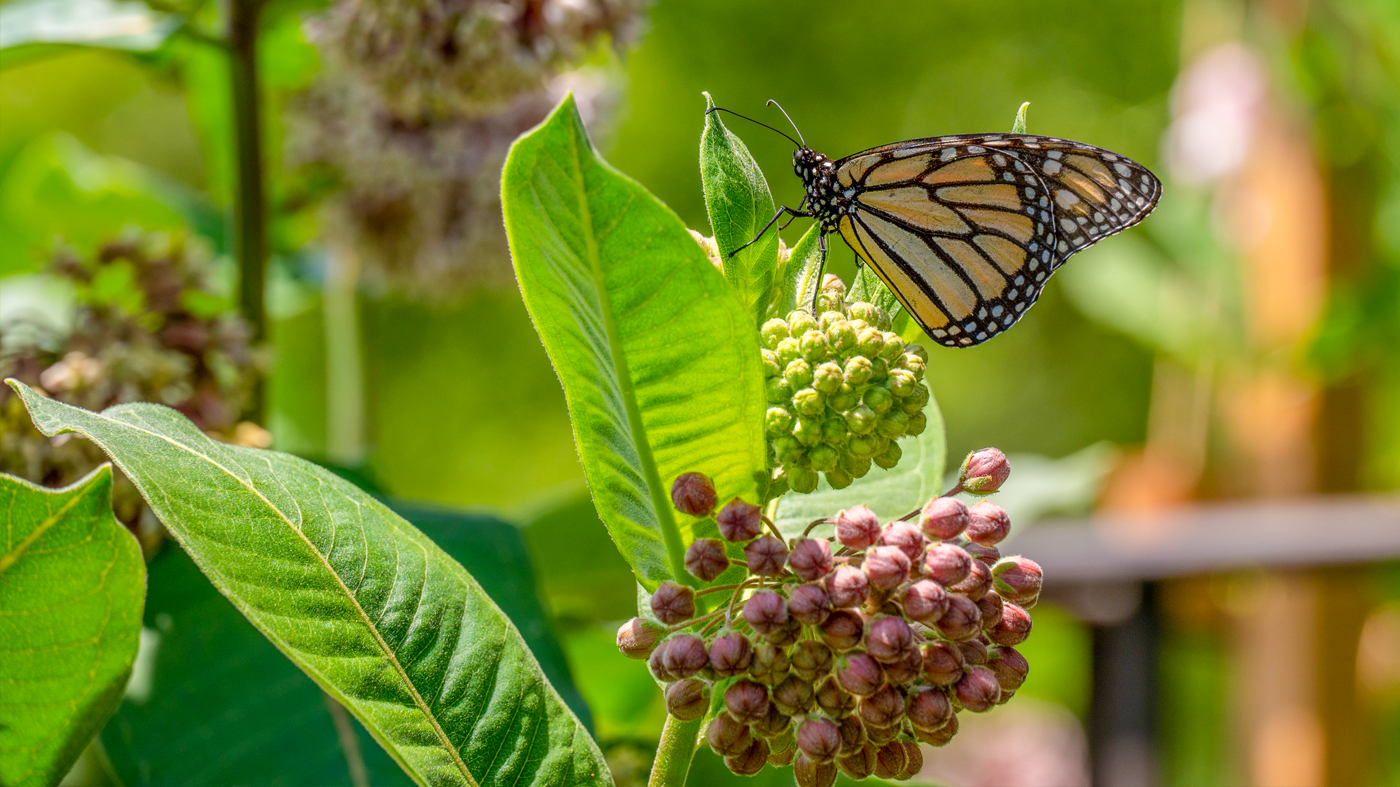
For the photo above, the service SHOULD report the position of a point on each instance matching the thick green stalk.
(673, 755)
(249, 207)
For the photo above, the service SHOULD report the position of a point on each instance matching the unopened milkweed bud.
(857, 528)
(672, 603)
(847, 586)
(907, 668)
(940, 736)
(656, 663)
(987, 524)
(925, 601)
(638, 637)
(947, 564)
(819, 739)
(766, 556)
(811, 660)
(886, 567)
(990, 607)
(882, 708)
(808, 604)
(977, 583)
(730, 654)
(859, 763)
(891, 760)
(834, 700)
(794, 695)
(810, 559)
(984, 471)
(943, 663)
(693, 494)
(928, 708)
(1014, 626)
(943, 518)
(766, 612)
(810, 773)
(888, 638)
(904, 537)
(746, 701)
(842, 630)
(705, 559)
(687, 700)
(727, 736)
(915, 763)
(861, 674)
(770, 665)
(685, 655)
(739, 521)
(1018, 579)
(1009, 667)
(978, 690)
(962, 620)
(751, 761)
(986, 554)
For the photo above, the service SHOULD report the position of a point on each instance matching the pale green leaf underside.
(868, 287)
(802, 276)
(739, 204)
(658, 359)
(889, 493)
(71, 586)
(372, 610)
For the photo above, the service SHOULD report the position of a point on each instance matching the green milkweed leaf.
(658, 358)
(376, 613)
(72, 582)
(802, 276)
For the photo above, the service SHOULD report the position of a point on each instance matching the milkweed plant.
(759, 441)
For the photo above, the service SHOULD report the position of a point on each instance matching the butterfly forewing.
(966, 229)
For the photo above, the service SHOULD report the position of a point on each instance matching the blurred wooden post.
(249, 203)
(1123, 699)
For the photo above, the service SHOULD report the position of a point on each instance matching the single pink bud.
(847, 586)
(887, 639)
(940, 736)
(751, 761)
(811, 559)
(977, 583)
(904, 537)
(1014, 626)
(984, 471)
(656, 662)
(834, 700)
(687, 700)
(819, 739)
(860, 762)
(746, 701)
(705, 559)
(915, 763)
(770, 664)
(766, 612)
(852, 733)
(808, 604)
(943, 663)
(672, 603)
(728, 736)
(783, 758)
(907, 669)
(974, 652)
(987, 524)
(810, 773)
(988, 555)
(857, 527)
(766, 556)
(812, 660)
(794, 695)
(731, 654)
(925, 601)
(963, 619)
(943, 518)
(1018, 579)
(978, 689)
(990, 606)
(775, 725)
(638, 637)
(739, 521)
(883, 708)
(947, 564)
(1010, 668)
(882, 735)
(861, 675)
(886, 567)
(891, 760)
(842, 630)
(790, 632)
(693, 494)
(928, 708)
(685, 655)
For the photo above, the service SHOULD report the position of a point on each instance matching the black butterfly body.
(966, 229)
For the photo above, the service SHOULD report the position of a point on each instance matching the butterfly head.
(818, 175)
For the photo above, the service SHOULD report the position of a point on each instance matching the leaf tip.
(1019, 126)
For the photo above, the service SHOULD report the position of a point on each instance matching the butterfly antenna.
(759, 122)
(773, 103)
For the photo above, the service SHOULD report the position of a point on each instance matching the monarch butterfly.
(966, 229)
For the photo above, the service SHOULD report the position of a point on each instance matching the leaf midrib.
(12, 557)
(355, 602)
(670, 532)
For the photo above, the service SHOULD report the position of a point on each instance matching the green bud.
(841, 336)
(778, 421)
(894, 346)
(857, 466)
(890, 456)
(879, 370)
(893, 424)
(845, 397)
(838, 478)
(829, 318)
(913, 363)
(798, 374)
(861, 447)
(808, 430)
(834, 431)
(919, 350)
(860, 419)
(822, 457)
(773, 331)
(883, 319)
(878, 399)
(786, 448)
(829, 302)
(788, 350)
(778, 391)
(808, 401)
(870, 342)
(770, 364)
(800, 322)
(866, 312)
(827, 378)
(917, 423)
(802, 480)
(901, 382)
(858, 370)
(814, 347)
(914, 402)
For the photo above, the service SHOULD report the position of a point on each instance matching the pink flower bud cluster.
(844, 653)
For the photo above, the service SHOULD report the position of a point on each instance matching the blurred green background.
(1122, 389)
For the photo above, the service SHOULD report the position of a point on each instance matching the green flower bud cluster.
(842, 389)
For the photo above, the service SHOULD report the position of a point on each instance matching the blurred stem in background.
(249, 207)
(345, 383)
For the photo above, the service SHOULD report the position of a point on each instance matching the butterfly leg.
(784, 209)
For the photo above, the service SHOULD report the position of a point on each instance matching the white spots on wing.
(1030, 193)
(1122, 169)
(1125, 186)
(1020, 307)
(976, 149)
(982, 313)
(1098, 217)
(982, 336)
(947, 154)
(997, 310)
(1115, 205)
(1065, 198)
(1019, 280)
(1008, 177)
(999, 159)
(1054, 154)
(1040, 276)
(1068, 226)
(1063, 247)
(969, 326)
(849, 193)
(1051, 167)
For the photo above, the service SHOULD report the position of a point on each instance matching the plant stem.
(249, 209)
(673, 755)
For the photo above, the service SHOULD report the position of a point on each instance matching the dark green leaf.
(658, 358)
(385, 621)
(740, 204)
(71, 586)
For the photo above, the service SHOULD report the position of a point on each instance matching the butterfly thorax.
(824, 196)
